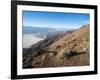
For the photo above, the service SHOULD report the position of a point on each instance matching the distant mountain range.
(33, 30)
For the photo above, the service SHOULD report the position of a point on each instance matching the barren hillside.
(69, 49)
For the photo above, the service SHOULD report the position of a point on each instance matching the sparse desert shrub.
(59, 46)
(54, 53)
(70, 53)
(73, 40)
(75, 45)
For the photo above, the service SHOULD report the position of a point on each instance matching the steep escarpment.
(67, 49)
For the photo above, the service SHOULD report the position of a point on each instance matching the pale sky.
(56, 20)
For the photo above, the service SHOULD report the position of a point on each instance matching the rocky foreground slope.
(68, 49)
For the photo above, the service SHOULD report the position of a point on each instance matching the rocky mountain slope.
(68, 49)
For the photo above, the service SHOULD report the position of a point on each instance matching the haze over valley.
(32, 35)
